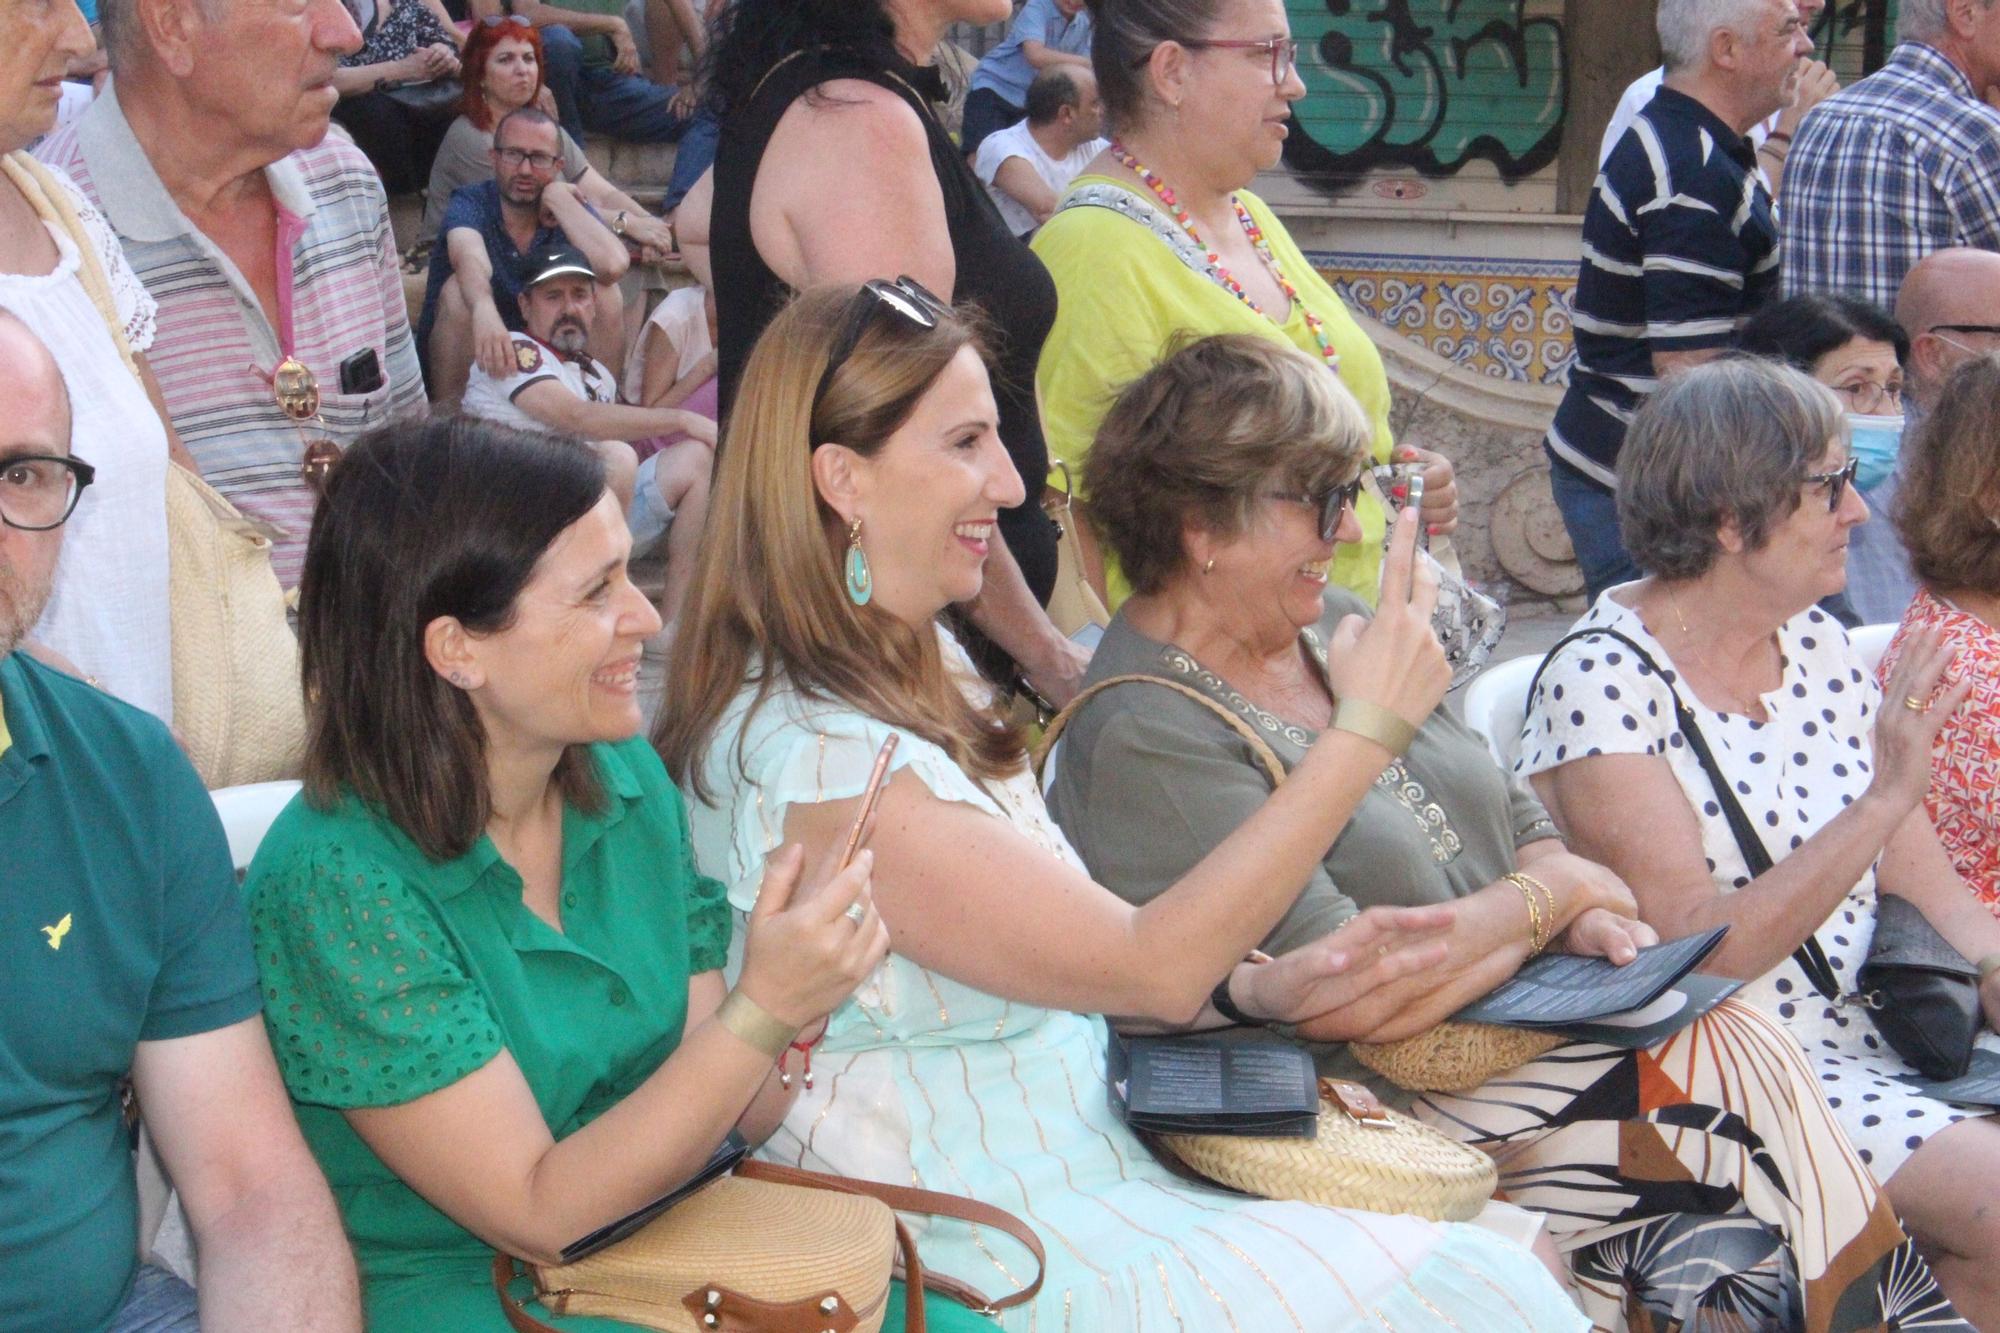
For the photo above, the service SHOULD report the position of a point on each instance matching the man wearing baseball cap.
(554, 384)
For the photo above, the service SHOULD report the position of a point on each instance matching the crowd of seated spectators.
(507, 967)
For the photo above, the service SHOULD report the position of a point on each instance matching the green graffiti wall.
(1430, 87)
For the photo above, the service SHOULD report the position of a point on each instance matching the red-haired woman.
(501, 68)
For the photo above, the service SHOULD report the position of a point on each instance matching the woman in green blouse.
(491, 972)
(1700, 1175)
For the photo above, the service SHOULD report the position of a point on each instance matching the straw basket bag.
(1365, 1156)
(769, 1249)
(237, 704)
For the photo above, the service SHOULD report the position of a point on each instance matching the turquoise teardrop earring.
(860, 579)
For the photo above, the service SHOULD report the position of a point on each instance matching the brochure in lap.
(1593, 999)
(1198, 1085)
(1978, 1086)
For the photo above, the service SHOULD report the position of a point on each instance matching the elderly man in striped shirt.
(264, 240)
(1680, 246)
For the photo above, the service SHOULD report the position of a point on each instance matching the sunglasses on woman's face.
(1331, 505)
(1836, 482)
(905, 297)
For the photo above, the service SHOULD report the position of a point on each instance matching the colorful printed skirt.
(1702, 1183)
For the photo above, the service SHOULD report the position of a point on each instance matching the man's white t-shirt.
(1016, 141)
(1634, 101)
(534, 362)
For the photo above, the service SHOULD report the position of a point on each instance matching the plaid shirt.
(1904, 162)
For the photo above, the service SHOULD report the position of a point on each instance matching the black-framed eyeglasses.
(1284, 52)
(1331, 504)
(1836, 482)
(905, 296)
(40, 491)
(514, 157)
(512, 20)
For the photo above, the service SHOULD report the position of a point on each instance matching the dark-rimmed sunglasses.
(1331, 504)
(511, 20)
(1284, 52)
(905, 297)
(39, 491)
(1836, 482)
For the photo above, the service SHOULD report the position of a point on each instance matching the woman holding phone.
(858, 499)
(493, 974)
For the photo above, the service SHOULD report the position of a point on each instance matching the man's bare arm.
(1026, 186)
(608, 257)
(552, 404)
(269, 1239)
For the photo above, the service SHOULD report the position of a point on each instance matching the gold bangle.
(1538, 926)
(747, 1021)
(1988, 965)
(1524, 880)
(1371, 721)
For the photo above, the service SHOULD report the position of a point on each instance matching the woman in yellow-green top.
(1160, 237)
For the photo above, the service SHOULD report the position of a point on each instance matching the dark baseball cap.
(552, 260)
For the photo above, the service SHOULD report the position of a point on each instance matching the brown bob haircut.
(1948, 508)
(444, 517)
(1202, 436)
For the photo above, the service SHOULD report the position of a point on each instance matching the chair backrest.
(1871, 641)
(1496, 703)
(247, 813)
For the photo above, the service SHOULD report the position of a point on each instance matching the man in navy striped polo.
(1680, 246)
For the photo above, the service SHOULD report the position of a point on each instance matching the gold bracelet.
(1371, 721)
(747, 1021)
(1538, 926)
(1988, 965)
(1523, 879)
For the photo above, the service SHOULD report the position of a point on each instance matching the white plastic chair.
(1496, 703)
(247, 813)
(1871, 641)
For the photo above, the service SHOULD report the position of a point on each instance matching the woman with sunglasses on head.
(1735, 493)
(1162, 235)
(502, 70)
(834, 167)
(1238, 459)
(857, 499)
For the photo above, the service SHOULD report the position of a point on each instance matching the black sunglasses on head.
(905, 297)
(1331, 504)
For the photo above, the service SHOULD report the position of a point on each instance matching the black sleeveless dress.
(995, 270)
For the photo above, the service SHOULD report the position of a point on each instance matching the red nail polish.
(1399, 491)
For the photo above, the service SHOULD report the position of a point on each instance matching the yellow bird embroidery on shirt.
(57, 931)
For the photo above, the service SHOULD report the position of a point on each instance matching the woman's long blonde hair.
(768, 603)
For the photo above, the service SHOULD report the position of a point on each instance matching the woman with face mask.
(1858, 351)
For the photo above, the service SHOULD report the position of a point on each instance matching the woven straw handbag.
(769, 1249)
(1365, 1156)
(237, 704)
(1450, 1057)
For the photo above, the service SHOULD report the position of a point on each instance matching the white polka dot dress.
(1791, 774)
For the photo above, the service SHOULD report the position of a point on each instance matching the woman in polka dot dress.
(1735, 494)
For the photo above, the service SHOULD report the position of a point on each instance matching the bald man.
(124, 947)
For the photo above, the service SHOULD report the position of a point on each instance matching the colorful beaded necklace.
(1165, 194)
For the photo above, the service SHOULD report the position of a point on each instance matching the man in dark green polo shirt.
(123, 947)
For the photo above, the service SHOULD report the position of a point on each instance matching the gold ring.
(1915, 705)
(1382, 949)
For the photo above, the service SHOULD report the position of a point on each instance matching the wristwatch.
(1220, 1000)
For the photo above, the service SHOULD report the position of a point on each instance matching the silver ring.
(855, 913)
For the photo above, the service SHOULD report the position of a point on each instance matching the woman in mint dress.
(857, 500)
(491, 973)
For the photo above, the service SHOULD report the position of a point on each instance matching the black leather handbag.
(1922, 993)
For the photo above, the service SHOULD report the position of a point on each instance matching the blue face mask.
(1876, 443)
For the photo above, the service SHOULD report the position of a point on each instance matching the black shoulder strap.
(1809, 956)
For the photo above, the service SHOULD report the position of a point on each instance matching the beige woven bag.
(1365, 1156)
(237, 704)
(1449, 1057)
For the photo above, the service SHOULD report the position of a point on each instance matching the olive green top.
(1148, 782)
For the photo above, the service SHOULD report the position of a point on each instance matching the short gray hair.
(123, 40)
(1730, 441)
(1922, 20)
(1686, 25)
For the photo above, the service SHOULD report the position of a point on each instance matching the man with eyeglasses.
(1904, 162)
(1680, 247)
(124, 947)
(472, 299)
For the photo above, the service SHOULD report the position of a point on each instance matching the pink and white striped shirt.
(215, 348)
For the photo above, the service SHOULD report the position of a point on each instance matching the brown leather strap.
(733, 1311)
(1259, 747)
(908, 1199)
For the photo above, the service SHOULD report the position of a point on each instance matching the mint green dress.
(925, 1080)
(387, 976)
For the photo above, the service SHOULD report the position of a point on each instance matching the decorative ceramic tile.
(1506, 318)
